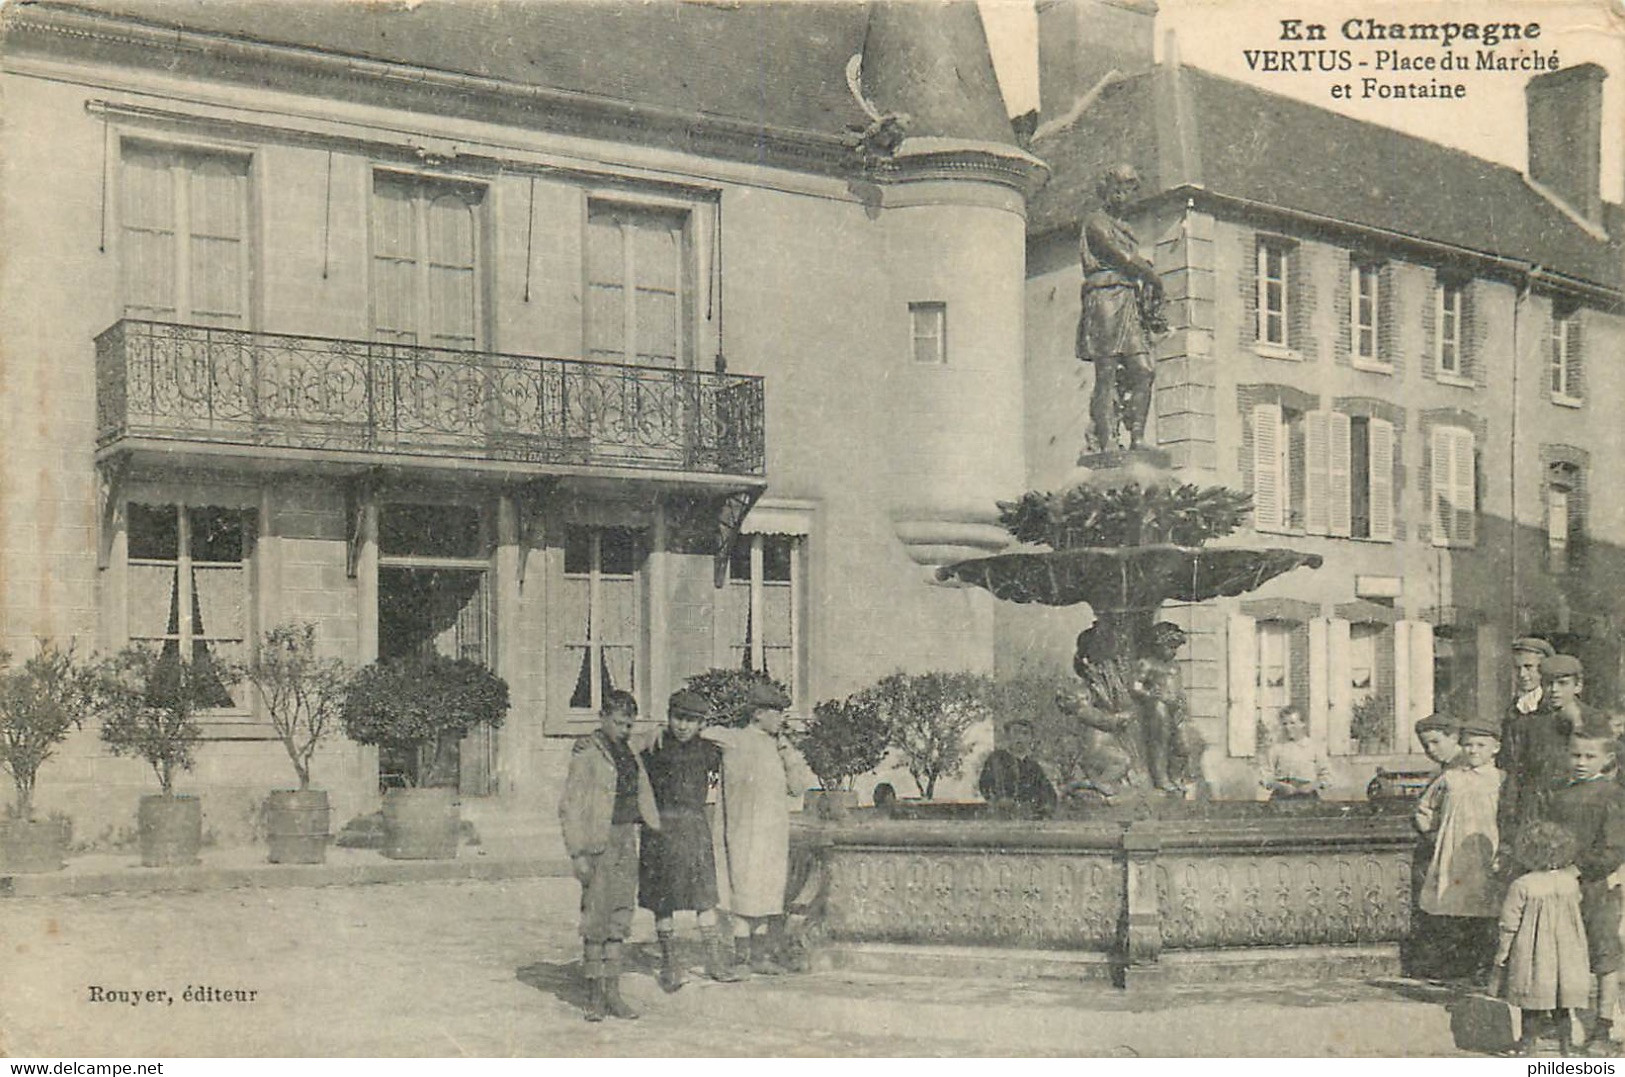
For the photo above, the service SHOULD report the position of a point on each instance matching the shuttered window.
(1564, 348)
(425, 262)
(637, 285)
(1454, 482)
(184, 236)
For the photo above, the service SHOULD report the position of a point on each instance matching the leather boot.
(613, 1002)
(671, 974)
(742, 954)
(761, 956)
(592, 970)
(717, 965)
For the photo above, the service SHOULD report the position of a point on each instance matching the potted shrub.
(419, 705)
(845, 738)
(1371, 725)
(304, 699)
(151, 702)
(41, 701)
(927, 716)
(726, 689)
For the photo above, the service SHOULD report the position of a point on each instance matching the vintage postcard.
(800, 529)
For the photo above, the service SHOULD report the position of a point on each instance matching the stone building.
(1407, 355)
(600, 343)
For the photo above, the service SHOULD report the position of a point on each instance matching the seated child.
(1542, 953)
(1459, 809)
(1294, 767)
(1592, 808)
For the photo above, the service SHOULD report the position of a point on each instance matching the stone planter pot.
(170, 830)
(421, 824)
(29, 846)
(829, 803)
(297, 826)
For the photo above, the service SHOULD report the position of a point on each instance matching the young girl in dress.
(1542, 955)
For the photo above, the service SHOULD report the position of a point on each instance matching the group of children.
(661, 785)
(1523, 864)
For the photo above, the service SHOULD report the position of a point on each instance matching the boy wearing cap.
(1591, 806)
(1459, 809)
(676, 868)
(757, 776)
(1428, 951)
(1539, 756)
(606, 795)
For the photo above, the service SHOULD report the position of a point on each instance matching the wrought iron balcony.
(227, 387)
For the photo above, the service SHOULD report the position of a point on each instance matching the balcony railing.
(188, 383)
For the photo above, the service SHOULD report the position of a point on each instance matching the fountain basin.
(1261, 892)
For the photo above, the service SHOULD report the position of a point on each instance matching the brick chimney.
(1565, 136)
(1080, 40)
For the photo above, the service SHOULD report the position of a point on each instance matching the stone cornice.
(107, 39)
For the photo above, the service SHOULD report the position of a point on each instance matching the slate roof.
(780, 65)
(1280, 152)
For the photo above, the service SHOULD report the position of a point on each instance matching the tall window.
(1565, 517)
(184, 236)
(1274, 260)
(637, 286)
(1448, 329)
(1565, 353)
(425, 261)
(188, 585)
(601, 611)
(761, 614)
(929, 324)
(1282, 674)
(1365, 310)
(1453, 468)
(1371, 687)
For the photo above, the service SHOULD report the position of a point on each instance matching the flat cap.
(688, 703)
(1593, 726)
(1561, 665)
(1534, 645)
(1480, 727)
(766, 697)
(1438, 720)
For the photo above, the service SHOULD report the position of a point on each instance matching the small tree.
(418, 704)
(844, 739)
(727, 689)
(152, 700)
(927, 716)
(304, 695)
(41, 701)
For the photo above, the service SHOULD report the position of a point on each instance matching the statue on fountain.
(1122, 307)
(1135, 711)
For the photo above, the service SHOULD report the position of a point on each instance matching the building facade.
(1408, 356)
(594, 364)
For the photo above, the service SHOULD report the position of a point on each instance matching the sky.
(1489, 122)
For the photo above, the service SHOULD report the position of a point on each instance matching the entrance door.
(434, 598)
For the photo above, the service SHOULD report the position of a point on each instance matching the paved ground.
(485, 968)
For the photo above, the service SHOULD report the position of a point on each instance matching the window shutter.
(1402, 685)
(148, 218)
(1317, 451)
(1318, 694)
(216, 212)
(1339, 517)
(1465, 494)
(1267, 485)
(1576, 356)
(1439, 461)
(394, 265)
(1421, 678)
(450, 236)
(1339, 694)
(1242, 725)
(1381, 438)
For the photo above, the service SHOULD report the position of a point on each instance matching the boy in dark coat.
(676, 868)
(1592, 808)
(606, 796)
